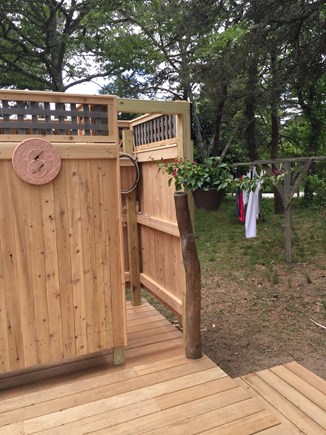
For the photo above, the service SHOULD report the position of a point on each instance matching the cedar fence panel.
(61, 275)
(158, 138)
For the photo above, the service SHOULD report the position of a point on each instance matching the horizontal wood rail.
(51, 126)
(57, 138)
(154, 145)
(159, 107)
(158, 224)
(60, 97)
(70, 151)
(162, 293)
(169, 152)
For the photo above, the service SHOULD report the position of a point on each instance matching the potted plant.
(207, 180)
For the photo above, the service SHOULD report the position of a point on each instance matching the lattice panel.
(155, 130)
(57, 118)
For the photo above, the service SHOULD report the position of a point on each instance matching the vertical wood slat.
(52, 284)
(111, 125)
(60, 106)
(25, 284)
(47, 117)
(34, 106)
(115, 245)
(20, 116)
(73, 179)
(38, 273)
(132, 230)
(86, 120)
(101, 254)
(64, 263)
(13, 326)
(4, 344)
(73, 107)
(5, 105)
(88, 252)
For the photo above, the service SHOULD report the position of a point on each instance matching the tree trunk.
(216, 151)
(315, 131)
(193, 278)
(250, 107)
(57, 49)
(197, 132)
(275, 95)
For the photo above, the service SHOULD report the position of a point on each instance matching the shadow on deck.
(159, 391)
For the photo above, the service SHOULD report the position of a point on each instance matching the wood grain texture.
(292, 396)
(61, 276)
(191, 321)
(157, 391)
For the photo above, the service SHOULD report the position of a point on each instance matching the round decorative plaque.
(36, 161)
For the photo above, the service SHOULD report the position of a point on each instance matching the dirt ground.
(257, 321)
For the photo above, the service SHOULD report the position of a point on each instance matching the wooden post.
(133, 245)
(193, 278)
(133, 249)
(118, 356)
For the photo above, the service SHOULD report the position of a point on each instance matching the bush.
(318, 185)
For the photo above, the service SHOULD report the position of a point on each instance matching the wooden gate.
(61, 277)
(163, 134)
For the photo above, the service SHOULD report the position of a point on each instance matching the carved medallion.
(36, 161)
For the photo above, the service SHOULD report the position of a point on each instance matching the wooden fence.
(61, 277)
(154, 138)
(61, 243)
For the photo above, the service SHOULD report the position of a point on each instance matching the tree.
(53, 44)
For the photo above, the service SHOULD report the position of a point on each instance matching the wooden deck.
(159, 391)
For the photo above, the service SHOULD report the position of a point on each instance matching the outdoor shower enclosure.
(69, 245)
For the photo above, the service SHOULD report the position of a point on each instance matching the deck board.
(158, 390)
(294, 394)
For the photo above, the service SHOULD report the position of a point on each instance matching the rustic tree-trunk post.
(193, 277)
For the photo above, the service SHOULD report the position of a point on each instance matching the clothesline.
(287, 190)
(277, 161)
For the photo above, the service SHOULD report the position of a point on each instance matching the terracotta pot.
(209, 200)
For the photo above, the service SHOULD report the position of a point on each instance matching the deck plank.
(308, 376)
(109, 393)
(287, 426)
(299, 384)
(294, 397)
(297, 416)
(188, 419)
(247, 425)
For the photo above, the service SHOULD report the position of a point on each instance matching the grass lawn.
(256, 311)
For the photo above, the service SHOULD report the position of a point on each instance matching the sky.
(90, 88)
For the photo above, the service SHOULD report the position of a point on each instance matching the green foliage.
(209, 174)
(55, 44)
(318, 185)
(199, 50)
(218, 43)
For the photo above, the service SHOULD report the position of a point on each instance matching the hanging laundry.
(240, 206)
(240, 198)
(253, 207)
